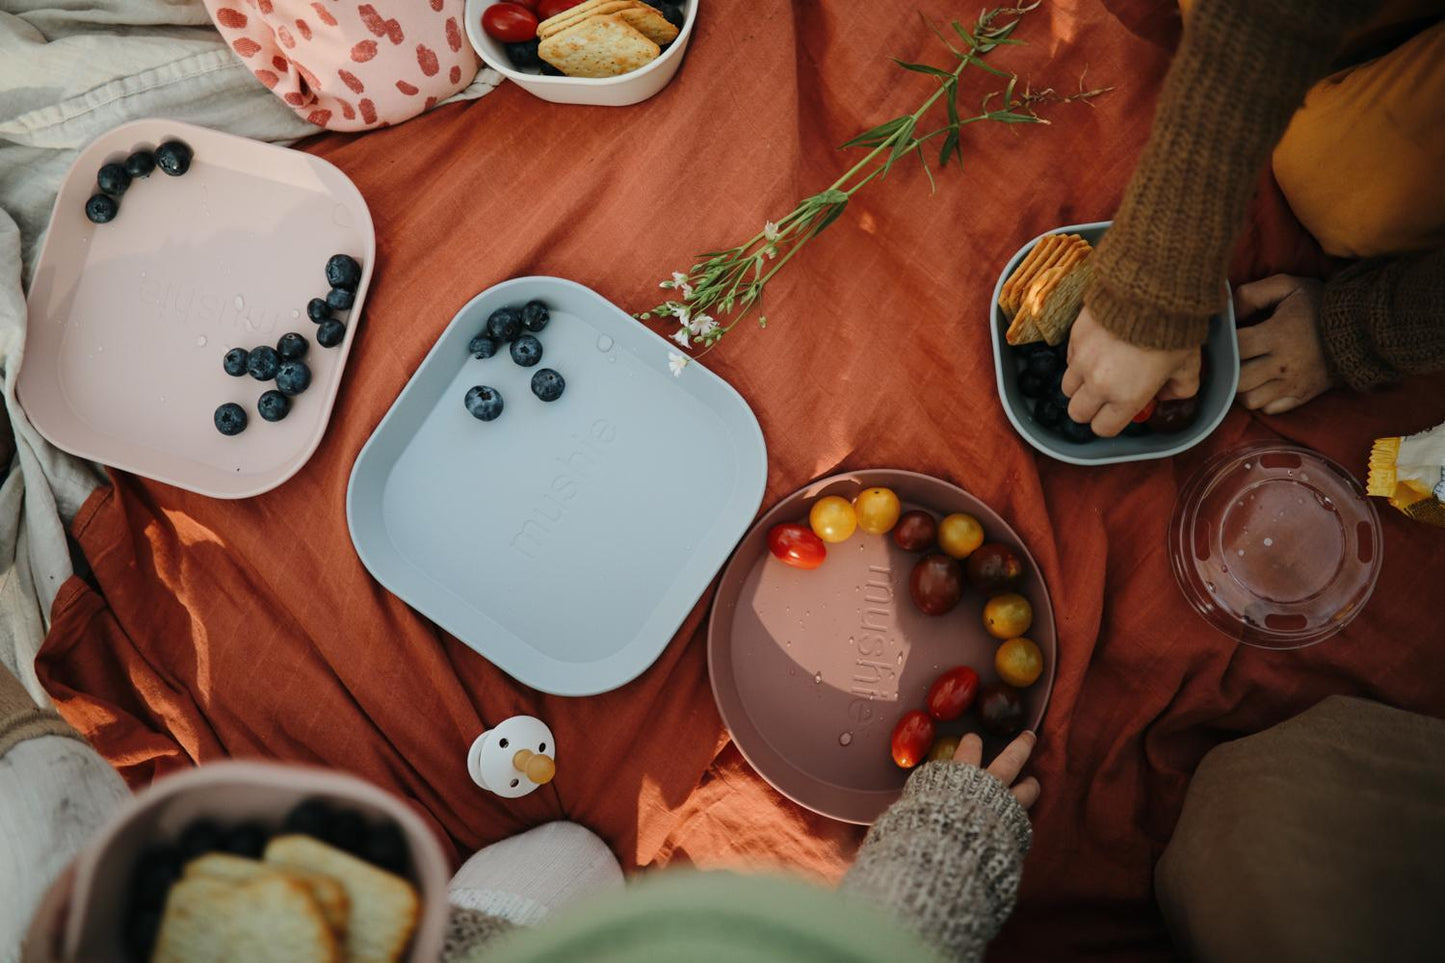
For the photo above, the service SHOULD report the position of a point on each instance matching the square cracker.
(1051, 250)
(649, 21)
(329, 895)
(269, 918)
(1062, 303)
(575, 15)
(600, 46)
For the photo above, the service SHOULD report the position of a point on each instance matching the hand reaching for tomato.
(1006, 766)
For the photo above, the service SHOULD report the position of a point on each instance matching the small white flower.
(696, 325)
(770, 232)
(680, 336)
(675, 363)
(706, 328)
(682, 313)
(771, 251)
(679, 281)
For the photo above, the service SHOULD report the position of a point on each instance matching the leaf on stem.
(923, 69)
(876, 136)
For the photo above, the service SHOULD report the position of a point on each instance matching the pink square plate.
(129, 320)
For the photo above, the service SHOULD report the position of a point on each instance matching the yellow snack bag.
(1410, 472)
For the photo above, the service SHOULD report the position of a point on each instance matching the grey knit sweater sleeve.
(946, 858)
(470, 934)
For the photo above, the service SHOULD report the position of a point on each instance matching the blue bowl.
(1215, 395)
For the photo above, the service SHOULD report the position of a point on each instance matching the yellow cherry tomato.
(878, 510)
(959, 535)
(943, 749)
(833, 519)
(1019, 662)
(1007, 616)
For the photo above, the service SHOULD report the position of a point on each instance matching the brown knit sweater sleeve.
(1242, 68)
(1385, 318)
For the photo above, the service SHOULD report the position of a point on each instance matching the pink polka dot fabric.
(350, 66)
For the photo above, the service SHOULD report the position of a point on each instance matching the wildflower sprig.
(724, 287)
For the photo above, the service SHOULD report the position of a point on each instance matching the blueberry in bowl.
(504, 324)
(340, 299)
(292, 346)
(140, 164)
(523, 55)
(234, 363)
(330, 333)
(318, 310)
(230, 419)
(535, 316)
(482, 347)
(113, 179)
(101, 209)
(548, 385)
(273, 405)
(293, 377)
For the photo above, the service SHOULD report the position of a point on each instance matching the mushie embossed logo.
(574, 470)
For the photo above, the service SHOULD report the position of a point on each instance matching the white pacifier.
(514, 757)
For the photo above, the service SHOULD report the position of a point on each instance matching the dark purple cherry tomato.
(994, 568)
(915, 531)
(796, 545)
(509, 23)
(936, 584)
(1177, 415)
(912, 738)
(548, 9)
(952, 693)
(1000, 710)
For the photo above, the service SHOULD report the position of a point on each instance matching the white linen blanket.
(69, 72)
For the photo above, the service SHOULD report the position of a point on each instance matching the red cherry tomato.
(1000, 709)
(952, 693)
(1146, 412)
(509, 23)
(548, 9)
(936, 584)
(529, 4)
(915, 531)
(796, 545)
(912, 738)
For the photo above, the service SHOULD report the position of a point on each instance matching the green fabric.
(687, 917)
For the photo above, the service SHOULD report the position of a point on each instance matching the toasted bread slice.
(1059, 306)
(600, 46)
(575, 15)
(384, 907)
(329, 895)
(271, 919)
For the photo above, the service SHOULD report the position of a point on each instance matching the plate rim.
(816, 485)
(125, 464)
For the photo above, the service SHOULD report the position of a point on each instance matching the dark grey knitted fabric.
(1384, 318)
(468, 932)
(946, 858)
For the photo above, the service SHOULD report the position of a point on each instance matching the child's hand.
(1006, 767)
(1282, 358)
(1109, 380)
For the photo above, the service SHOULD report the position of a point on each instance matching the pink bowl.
(231, 792)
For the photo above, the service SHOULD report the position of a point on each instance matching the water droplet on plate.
(201, 341)
(817, 678)
(604, 342)
(1209, 585)
(611, 358)
(900, 658)
(1268, 542)
(1248, 466)
(1240, 553)
(163, 399)
(845, 739)
(295, 313)
(100, 347)
(240, 303)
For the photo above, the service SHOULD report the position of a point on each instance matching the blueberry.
(482, 347)
(311, 817)
(1075, 432)
(526, 351)
(101, 209)
(342, 271)
(340, 299)
(330, 334)
(293, 377)
(1049, 413)
(263, 363)
(504, 324)
(247, 839)
(199, 838)
(347, 831)
(230, 419)
(549, 71)
(523, 54)
(1139, 430)
(548, 384)
(1031, 385)
(673, 14)
(113, 179)
(273, 405)
(292, 346)
(318, 310)
(142, 927)
(140, 164)
(385, 846)
(173, 157)
(484, 403)
(156, 869)
(535, 316)
(1027, 351)
(235, 362)
(1043, 363)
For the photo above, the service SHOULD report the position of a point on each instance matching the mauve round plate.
(811, 670)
